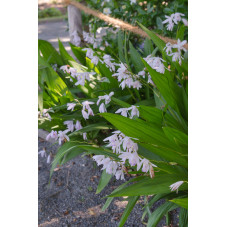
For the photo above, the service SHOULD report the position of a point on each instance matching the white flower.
(168, 48)
(177, 17)
(46, 114)
(85, 115)
(48, 158)
(104, 80)
(76, 38)
(155, 63)
(85, 136)
(95, 60)
(70, 125)
(111, 167)
(107, 60)
(102, 108)
(53, 135)
(107, 98)
(71, 106)
(62, 136)
(132, 2)
(125, 77)
(129, 145)
(98, 159)
(107, 11)
(86, 106)
(123, 111)
(134, 112)
(185, 22)
(42, 153)
(119, 174)
(88, 38)
(115, 141)
(150, 81)
(176, 57)
(65, 68)
(82, 77)
(146, 165)
(78, 125)
(89, 52)
(136, 84)
(133, 158)
(175, 186)
(180, 45)
(169, 20)
(142, 73)
(104, 1)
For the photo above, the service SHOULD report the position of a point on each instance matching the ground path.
(54, 30)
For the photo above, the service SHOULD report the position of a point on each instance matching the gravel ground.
(70, 200)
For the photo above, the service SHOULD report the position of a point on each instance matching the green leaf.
(110, 199)
(183, 202)
(120, 102)
(49, 53)
(131, 203)
(140, 130)
(107, 203)
(180, 32)
(148, 47)
(178, 137)
(157, 215)
(92, 127)
(70, 146)
(136, 58)
(151, 114)
(99, 151)
(104, 180)
(148, 186)
(183, 217)
(79, 54)
(120, 46)
(159, 23)
(64, 53)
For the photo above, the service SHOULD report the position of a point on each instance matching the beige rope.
(117, 22)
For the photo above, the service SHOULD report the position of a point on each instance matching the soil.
(68, 199)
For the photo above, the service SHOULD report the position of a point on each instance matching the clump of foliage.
(128, 110)
(49, 12)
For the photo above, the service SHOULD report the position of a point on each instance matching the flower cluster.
(80, 76)
(43, 154)
(176, 56)
(174, 19)
(45, 114)
(86, 110)
(155, 63)
(90, 54)
(127, 150)
(125, 111)
(107, 99)
(107, 60)
(89, 38)
(126, 78)
(60, 135)
(76, 38)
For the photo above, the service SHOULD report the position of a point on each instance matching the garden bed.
(70, 199)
